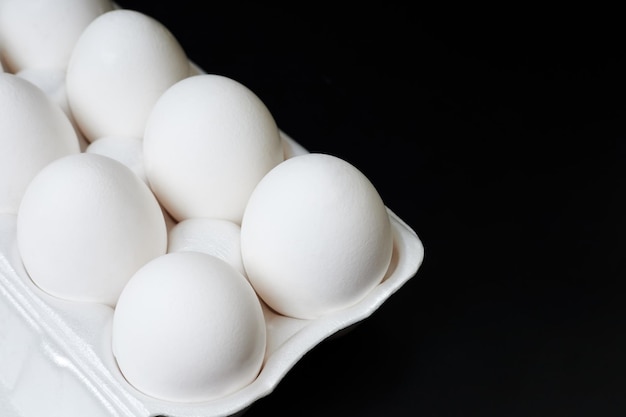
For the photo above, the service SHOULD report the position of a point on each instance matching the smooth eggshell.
(122, 62)
(315, 236)
(188, 327)
(42, 33)
(34, 131)
(86, 224)
(208, 141)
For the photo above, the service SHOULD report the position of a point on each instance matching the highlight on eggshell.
(35, 132)
(315, 236)
(42, 34)
(121, 64)
(217, 237)
(188, 327)
(85, 225)
(208, 141)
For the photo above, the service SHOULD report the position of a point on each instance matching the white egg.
(208, 141)
(122, 62)
(315, 236)
(85, 225)
(42, 33)
(34, 132)
(52, 82)
(217, 237)
(188, 327)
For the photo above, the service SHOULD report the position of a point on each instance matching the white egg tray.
(56, 358)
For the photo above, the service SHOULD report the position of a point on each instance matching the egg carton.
(56, 357)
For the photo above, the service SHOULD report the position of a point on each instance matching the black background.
(499, 137)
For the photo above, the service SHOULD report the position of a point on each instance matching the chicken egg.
(42, 33)
(208, 141)
(85, 225)
(315, 236)
(35, 131)
(188, 327)
(122, 62)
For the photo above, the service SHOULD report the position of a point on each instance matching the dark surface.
(501, 142)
